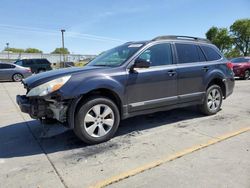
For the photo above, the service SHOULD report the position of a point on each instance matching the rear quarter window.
(211, 53)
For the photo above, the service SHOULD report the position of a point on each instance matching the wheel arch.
(12, 77)
(218, 81)
(104, 92)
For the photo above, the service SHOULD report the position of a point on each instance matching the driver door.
(155, 86)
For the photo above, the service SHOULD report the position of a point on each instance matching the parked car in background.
(132, 79)
(36, 65)
(16, 73)
(241, 67)
(69, 64)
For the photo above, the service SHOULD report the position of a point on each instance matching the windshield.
(116, 56)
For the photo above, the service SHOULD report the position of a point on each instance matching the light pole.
(7, 44)
(63, 30)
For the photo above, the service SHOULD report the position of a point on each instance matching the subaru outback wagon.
(36, 65)
(132, 79)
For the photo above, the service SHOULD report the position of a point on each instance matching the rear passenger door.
(191, 70)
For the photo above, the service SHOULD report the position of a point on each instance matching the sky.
(93, 26)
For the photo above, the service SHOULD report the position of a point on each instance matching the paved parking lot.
(178, 148)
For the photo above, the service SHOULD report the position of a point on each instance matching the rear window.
(189, 53)
(211, 53)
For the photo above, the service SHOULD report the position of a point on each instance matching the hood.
(41, 78)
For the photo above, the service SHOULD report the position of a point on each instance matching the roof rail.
(176, 37)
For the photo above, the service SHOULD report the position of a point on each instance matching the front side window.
(188, 53)
(157, 55)
(116, 56)
(20, 63)
(211, 53)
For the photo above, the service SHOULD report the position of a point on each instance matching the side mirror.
(141, 63)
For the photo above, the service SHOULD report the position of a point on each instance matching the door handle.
(171, 73)
(206, 68)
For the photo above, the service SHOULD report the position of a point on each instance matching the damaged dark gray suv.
(132, 79)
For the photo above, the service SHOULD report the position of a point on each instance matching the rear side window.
(6, 66)
(28, 62)
(42, 61)
(201, 54)
(211, 53)
(188, 53)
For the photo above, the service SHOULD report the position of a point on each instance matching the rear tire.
(97, 120)
(213, 100)
(17, 77)
(247, 75)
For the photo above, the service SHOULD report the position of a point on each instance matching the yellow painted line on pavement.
(166, 159)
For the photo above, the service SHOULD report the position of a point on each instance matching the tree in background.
(234, 52)
(241, 34)
(14, 50)
(235, 42)
(20, 50)
(60, 51)
(33, 50)
(221, 38)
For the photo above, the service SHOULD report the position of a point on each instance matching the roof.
(185, 38)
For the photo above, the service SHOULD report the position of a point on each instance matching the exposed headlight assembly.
(48, 87)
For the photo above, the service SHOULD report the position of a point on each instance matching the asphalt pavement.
(177, 148)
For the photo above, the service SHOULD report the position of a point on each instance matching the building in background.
(53, 58)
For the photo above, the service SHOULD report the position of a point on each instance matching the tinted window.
(6, 66)
(201, 54)
(28, 62)
(157, 55)
(188, 53)
(211, 53)
(45, 61)
(239, 60)
(20, 63)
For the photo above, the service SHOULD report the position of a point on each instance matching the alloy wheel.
(214, 99)
(17, 77)
(247, 75)
(99, 120)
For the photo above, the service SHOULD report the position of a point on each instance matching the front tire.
(213, 100)
(97, 120)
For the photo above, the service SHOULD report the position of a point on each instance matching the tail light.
(28, 70)
(229, 65)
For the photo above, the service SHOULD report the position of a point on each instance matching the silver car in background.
(16, 73)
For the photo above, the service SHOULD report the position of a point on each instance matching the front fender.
(77, 88)
(99, 82)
